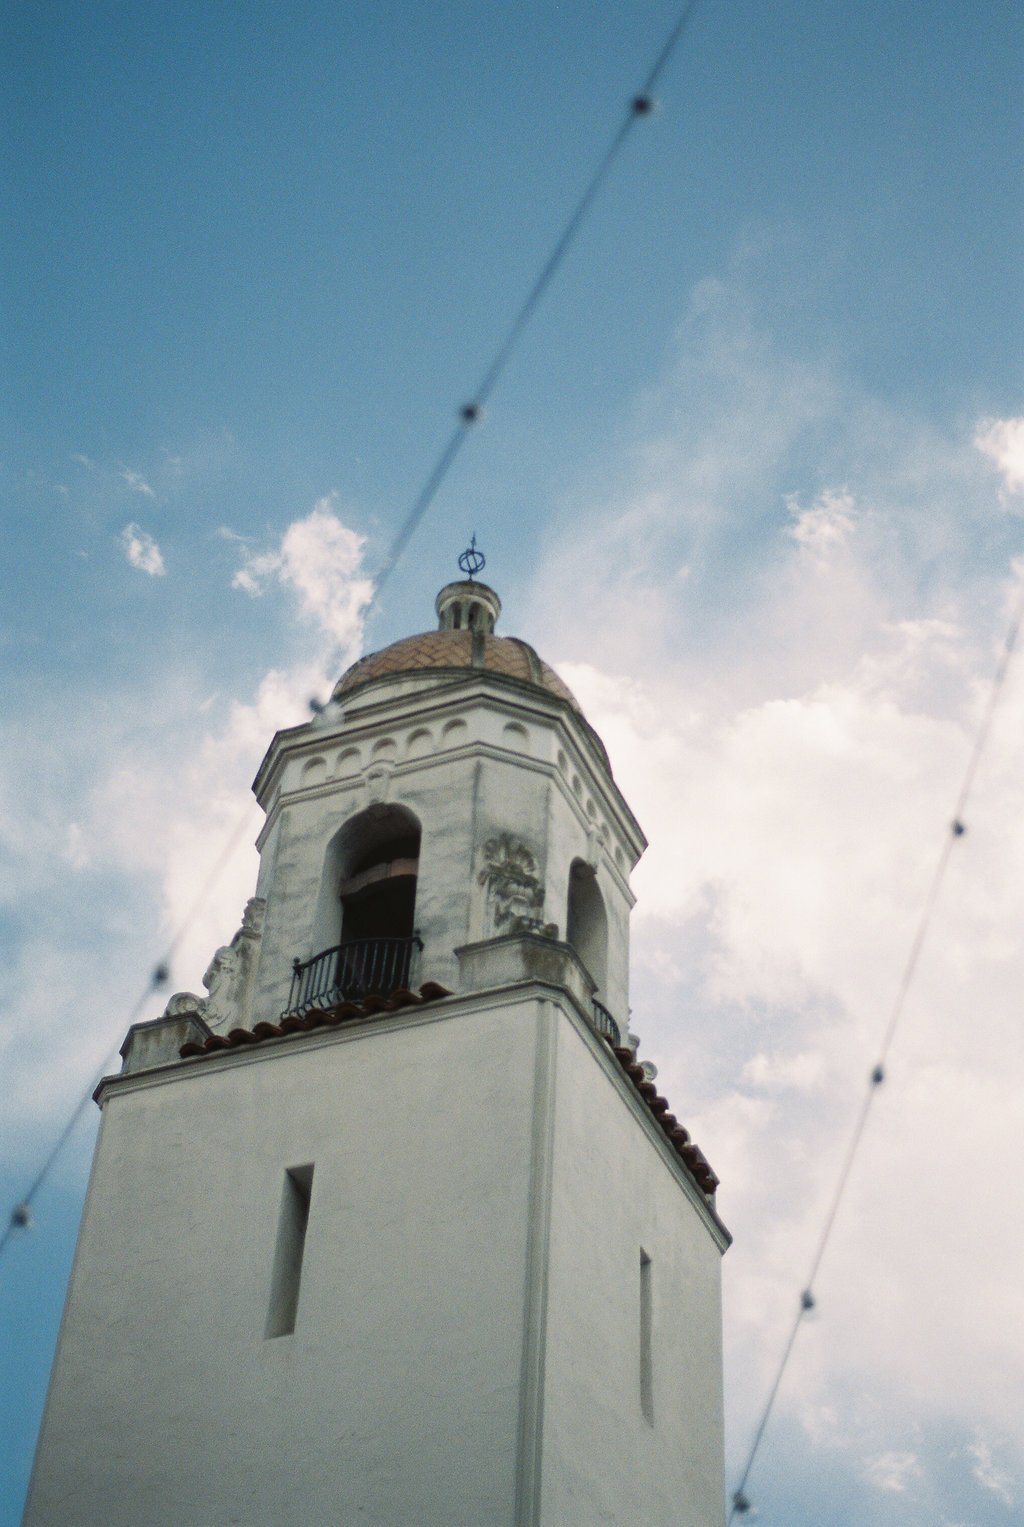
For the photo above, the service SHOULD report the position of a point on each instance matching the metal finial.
(472, 561)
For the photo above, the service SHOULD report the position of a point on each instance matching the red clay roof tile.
(315, 1018)
(691, 1155)
(431, 991)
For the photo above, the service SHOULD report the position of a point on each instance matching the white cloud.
(141, 813)
(825, 526)
(84, 461)
(792, 844)
(1002, 441)
(141, 551)
(159, 784)
(774, 1073)
(892, 1471)
(136, 482)
(791, 725)
(986, 1472)
(319, 560)
(76, 851)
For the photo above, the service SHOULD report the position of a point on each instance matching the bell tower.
(391, 1226)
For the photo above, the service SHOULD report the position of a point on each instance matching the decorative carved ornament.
(229, 976)
(515, 891)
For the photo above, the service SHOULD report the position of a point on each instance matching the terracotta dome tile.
(455, 649)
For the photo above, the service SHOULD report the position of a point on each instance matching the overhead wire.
(21, 1215)
(740, 1503)
(641, 105)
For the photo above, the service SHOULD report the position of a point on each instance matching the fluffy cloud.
(1002, 441)
(892, 1471)
(113, 848)
(791, 722)
(141, 551)
(320, 563)
(318, 560)
(825, 525)
(793, 840)
(136, 482)
(987, 1473)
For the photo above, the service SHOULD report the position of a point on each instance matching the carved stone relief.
(377, 781)
(513, 888)
(230, 976)
(184, 1002)
(223, 980)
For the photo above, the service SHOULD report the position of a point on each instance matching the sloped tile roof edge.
(676, 1134)
(316, 1018)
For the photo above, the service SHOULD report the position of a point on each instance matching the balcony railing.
(604, 1023)
(349, 972)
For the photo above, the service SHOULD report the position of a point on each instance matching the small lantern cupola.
(468, 605)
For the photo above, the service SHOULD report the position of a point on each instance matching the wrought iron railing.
(604, 1023)
(361, 967)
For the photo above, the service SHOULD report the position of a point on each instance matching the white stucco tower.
(391, 1229)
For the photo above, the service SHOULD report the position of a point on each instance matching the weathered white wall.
(466, 1346)
(471, 760)
(615, 1190)
(395, 1401)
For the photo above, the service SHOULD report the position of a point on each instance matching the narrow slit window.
(646, 1354)
(291, 1243)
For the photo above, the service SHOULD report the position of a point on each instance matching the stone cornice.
(440, 703)
(451, 689)
(503, 999)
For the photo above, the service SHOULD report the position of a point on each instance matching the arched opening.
(377, 880)
(586, 929)
(586, 921)
(366, 912)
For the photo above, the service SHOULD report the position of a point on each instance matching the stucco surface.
(469, 768)
(395, 1401)
(465, 1352)
(613, 1193)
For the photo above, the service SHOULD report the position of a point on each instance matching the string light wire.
(21, 1215)
(741, 1503)
(641, 105)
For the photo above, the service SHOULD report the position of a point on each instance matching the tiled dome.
(457, 649)
(466, 640)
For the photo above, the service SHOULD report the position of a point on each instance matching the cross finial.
(472, 561)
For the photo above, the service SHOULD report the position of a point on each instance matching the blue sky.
(752, 479)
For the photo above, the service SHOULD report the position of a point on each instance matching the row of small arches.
(576, 785)
(419, 743)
